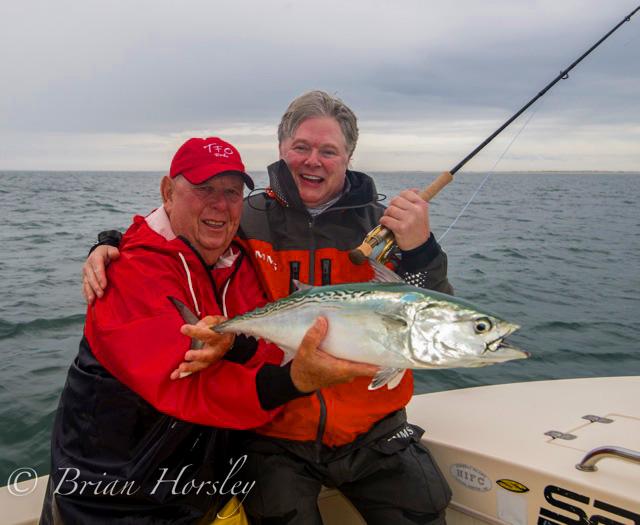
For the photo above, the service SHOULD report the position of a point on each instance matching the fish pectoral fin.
(387, 376)
(392, 322)
(395, 381)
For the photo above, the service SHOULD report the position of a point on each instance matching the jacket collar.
(362, 190)
(158, 221)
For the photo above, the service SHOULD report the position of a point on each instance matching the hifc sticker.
(470, 477)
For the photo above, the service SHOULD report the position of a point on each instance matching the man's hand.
(94, 276)
(215, 346)
(408, 218)
(312, 368)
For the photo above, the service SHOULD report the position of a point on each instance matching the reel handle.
(382, 235)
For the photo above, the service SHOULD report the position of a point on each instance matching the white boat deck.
(485, 434)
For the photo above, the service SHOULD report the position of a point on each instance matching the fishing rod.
(381, 235)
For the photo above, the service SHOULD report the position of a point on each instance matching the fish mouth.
(499, 343)
(504, 347)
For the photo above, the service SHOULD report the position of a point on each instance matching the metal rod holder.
(588, 463)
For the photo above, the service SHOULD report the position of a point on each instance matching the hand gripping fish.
(390, 324)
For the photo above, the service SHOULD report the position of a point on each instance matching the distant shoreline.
(505, 172)
(372, 172)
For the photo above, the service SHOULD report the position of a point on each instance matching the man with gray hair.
(301, 229)
(346, 436)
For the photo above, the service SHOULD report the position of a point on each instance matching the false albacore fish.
(390, 324)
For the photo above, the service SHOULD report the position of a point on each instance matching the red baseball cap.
(198, 160)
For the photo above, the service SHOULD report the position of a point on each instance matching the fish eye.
(482, 325)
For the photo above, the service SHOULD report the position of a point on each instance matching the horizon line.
(382, 172)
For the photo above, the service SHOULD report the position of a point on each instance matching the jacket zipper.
(322, 421)
(312, 254)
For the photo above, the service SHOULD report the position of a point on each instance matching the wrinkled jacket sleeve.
(134, 331)
(426, 267)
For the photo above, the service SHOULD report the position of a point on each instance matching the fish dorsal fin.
(301, 287)
(382, 274)
(188, 317)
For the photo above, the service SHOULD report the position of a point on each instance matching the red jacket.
(134, 330)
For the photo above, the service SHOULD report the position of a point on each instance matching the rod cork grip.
(434, 188)
(360, 254)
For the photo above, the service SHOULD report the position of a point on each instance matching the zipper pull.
(325, 265)
(294, 273)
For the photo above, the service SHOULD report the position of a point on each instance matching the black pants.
(389, 476)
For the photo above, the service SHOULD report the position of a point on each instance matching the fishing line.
(491, 171)
(384, 237)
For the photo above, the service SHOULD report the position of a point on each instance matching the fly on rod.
(381, 235)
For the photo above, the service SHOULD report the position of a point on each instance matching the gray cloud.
(154, 68)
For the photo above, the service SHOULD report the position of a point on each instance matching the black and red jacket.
(287, 243)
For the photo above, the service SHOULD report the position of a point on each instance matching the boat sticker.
(470, 477)
(512, 486)
(511, 507)
(577, 509)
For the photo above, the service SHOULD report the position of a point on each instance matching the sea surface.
(558, 253)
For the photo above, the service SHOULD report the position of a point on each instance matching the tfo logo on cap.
(218, 151)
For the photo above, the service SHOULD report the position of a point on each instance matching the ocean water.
(558, 253)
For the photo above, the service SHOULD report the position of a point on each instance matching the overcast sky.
(119, 84)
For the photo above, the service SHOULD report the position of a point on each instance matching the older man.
(128, 442)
